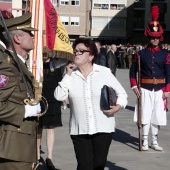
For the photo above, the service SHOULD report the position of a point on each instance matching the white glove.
(32, 110)
(64, 105)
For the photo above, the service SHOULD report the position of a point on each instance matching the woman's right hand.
(69, 68)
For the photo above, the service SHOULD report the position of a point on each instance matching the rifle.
(139, 122)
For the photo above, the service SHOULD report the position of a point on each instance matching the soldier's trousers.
(6, 164)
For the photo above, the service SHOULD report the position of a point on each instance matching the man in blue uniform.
(155, 82)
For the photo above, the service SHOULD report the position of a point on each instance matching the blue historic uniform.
(154, 82)
(155, 64)
(155, 79)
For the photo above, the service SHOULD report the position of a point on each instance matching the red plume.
(155, 13)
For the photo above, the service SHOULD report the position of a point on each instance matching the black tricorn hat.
(19, 23)
(154, 29)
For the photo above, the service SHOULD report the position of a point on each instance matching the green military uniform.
(17, 134)
(129, 56)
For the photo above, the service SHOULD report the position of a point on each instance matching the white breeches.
(152, 109)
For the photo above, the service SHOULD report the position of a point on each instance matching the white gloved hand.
(32, 110)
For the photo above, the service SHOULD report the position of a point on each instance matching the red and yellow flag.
(55, 36)
(49, 25)
(51, 34)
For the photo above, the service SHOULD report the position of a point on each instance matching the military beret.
(18, 23)
(7, 14)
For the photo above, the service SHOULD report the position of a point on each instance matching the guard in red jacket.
(155, 82)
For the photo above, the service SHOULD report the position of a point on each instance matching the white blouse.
(86, 117)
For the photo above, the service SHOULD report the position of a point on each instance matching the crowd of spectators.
(125, 53)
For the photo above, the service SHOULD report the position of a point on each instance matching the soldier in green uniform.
(18, 121)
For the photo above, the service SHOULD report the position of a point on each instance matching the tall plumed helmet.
(154, 28)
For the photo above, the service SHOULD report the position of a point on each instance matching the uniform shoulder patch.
(3, 80)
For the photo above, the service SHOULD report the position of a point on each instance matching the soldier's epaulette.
(4, 57)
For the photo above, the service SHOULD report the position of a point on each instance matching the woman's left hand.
(113, 109)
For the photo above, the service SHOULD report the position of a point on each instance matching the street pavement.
(123, 153)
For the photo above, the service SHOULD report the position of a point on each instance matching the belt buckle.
(154, 81)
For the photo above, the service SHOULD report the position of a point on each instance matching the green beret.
(19, 23)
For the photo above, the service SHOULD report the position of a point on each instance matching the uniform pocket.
(22, 87)
(26, 128)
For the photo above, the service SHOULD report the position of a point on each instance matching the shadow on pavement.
(132, 108)
(126, 138)
(112, 166)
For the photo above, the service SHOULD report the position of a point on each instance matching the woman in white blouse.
(91, 129)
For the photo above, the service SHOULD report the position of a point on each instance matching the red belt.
(152, 81)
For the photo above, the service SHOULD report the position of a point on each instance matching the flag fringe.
(57, 54)
(63, 54)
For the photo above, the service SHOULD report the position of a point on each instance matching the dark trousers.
(91, 150)
(6, 164)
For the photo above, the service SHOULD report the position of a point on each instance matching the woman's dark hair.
(89, 44)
